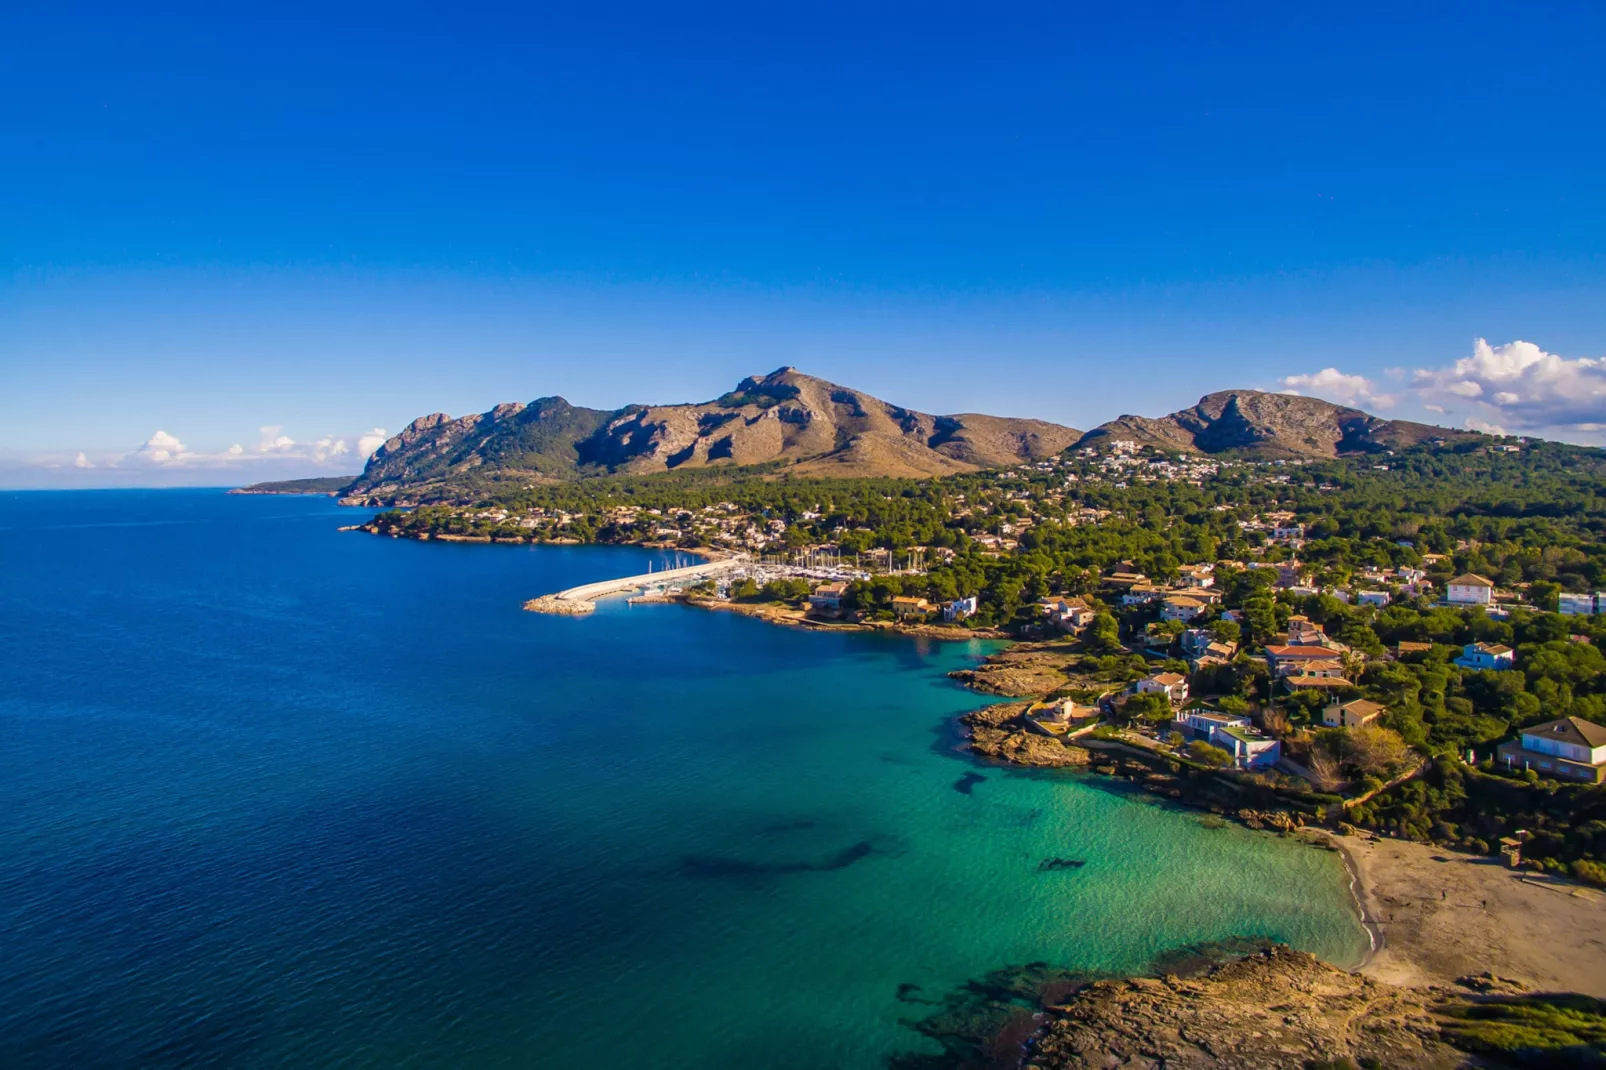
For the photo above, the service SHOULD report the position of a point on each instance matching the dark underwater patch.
(966, 784)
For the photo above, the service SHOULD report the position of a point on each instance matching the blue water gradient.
(279, 796)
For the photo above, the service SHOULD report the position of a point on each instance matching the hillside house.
(1181, 607)
(1197, 575)
(1487, 656)
(1290, 660)
(1172, 685)
(1372, 598)
(1569, 749)
(1310, 682)
(1355, 714)
(1575, 605)
(1469, 589)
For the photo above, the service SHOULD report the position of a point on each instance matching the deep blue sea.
(273, 795)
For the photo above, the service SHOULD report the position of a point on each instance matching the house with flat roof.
(1200, 721)
(1575, 605)
(1249, 749)
(1469, 589)
(1487, 656)
(1568, 749)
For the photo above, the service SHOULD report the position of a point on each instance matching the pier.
(582, 599)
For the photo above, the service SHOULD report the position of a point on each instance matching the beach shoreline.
(1437, 915)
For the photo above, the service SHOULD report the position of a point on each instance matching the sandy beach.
(1443, 915)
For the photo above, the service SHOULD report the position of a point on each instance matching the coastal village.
(1213, 664)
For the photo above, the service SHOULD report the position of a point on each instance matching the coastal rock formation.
(1275, 1009)
(1270, 426)
(999, 732)
(815, 427)
(1023, 671)
(560, 607)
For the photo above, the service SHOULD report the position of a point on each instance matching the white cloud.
(369, 441)
(81, 461)
(1334, 385)
(160, 448)
(273, 441)
(1520, 386)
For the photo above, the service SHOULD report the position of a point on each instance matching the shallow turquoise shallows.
(273, 795)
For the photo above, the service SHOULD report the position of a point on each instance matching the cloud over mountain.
(1334, 385)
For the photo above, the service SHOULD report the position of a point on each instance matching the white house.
(1181, 607)
(1372, 598)
(1571, 748)
(1201, 722)
(1172, 685)
(1469, 589)
(1249, 749)
(1487, 656)
(1575, 605)
(959, 608)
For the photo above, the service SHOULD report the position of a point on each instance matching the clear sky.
(245, 241)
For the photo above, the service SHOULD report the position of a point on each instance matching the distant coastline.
(327, 486)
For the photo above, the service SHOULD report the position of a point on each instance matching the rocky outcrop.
(1276, 1009)
(1270, 426)
(1000, 733)
(1024, 670)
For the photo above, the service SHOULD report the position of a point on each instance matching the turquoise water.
(278, 796)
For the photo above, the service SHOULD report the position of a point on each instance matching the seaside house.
(1569, 749)
(1355, 714)
(1173, 686)
(1249, 749)
(959, 609)
(1199, 722)
(1066, 711)
(905, 607)
(827, 599)
(1066, 614)
(1487, 656)
(1469, 589)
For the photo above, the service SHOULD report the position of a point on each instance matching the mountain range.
(812, 427)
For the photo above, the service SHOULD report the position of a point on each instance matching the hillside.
(809, 425)
(1256, 424)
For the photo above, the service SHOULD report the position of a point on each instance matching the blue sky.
(290, 228)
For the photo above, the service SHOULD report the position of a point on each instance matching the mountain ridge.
(812, 427)
(1261, 425)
